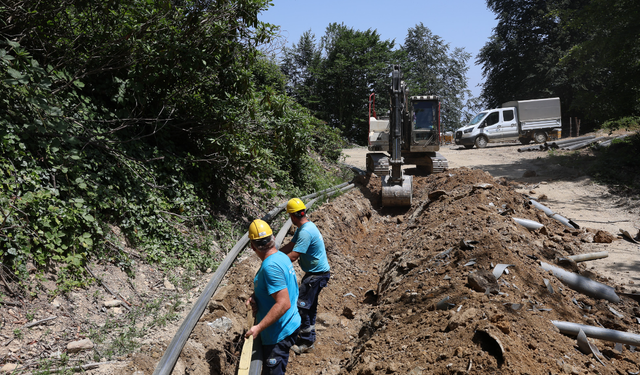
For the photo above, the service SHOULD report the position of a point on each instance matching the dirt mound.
(413, 290)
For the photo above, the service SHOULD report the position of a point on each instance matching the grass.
(617, 166)
(121, 335)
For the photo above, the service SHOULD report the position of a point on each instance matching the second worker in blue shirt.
(307, 247)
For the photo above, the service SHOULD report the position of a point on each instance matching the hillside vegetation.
(163, 122)
(158, 120)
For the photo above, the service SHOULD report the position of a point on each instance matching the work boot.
(302, 348)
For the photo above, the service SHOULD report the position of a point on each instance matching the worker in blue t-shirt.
(307, 247)
(274, 300)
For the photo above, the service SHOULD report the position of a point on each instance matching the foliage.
(520, 61)
(142, 116)
(334, 78)
(60, 189)
(606, 60)
(300, 64)
(583, 51)
(627, 123)
(431, 69)
(617, 165)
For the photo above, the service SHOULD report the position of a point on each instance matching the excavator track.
(440, 163)
(378, 163)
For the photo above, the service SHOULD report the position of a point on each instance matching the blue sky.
(460, 23)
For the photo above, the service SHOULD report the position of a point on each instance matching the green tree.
(356, 63)
(521, 59)
(431, 69)
(153, 116)
(335, 77)
(606, 60)
(300, 65)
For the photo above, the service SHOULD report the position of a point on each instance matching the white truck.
(523, 120)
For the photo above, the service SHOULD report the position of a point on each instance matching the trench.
(383, 310)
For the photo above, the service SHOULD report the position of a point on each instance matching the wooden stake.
(247, 348)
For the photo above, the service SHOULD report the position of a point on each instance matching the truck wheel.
(481, 141)
(540, 137)
(525, 141)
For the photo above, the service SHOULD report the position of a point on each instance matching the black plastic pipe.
(170, 356)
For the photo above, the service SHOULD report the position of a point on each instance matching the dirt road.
(568, 192)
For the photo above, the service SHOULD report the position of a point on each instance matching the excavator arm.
(397, 187)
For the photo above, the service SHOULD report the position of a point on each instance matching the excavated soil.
(406, 293)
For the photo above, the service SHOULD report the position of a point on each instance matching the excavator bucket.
(397, 195)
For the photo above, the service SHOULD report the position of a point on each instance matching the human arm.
(288, 249)
(276, 312)
(293, 255)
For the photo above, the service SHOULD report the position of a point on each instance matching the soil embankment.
(411, 289)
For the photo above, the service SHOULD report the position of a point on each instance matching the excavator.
(410, 135)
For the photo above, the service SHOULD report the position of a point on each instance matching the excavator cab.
(425, 121)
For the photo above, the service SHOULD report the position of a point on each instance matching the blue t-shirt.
(310, 244)
(276, 273)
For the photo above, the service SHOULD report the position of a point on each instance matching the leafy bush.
(69, 170)
(629, 123)
(619, 164)
(62, 184)
(158, 120)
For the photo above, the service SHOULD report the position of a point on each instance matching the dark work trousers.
(310, 287)
(276, 357)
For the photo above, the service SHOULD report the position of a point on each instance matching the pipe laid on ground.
(589, 256)
(529, 224)
(566, 146)
(581, 144)
(541, 147)
(556, 144)
(566, 142)
(572, 140)
(553, 215)
(573, 329)
(583, 284)
(607, 143)
(170, 356)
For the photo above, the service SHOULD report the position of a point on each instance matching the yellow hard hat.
(295, 205)
(259, 229)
